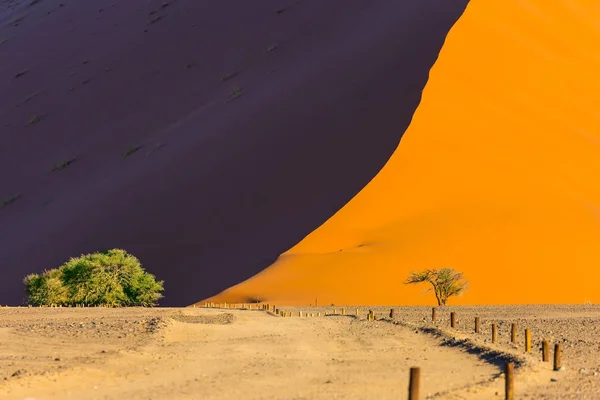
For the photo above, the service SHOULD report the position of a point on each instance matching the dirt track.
(235, 354)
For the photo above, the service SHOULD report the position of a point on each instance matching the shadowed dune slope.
(497, 175)
(257, 121)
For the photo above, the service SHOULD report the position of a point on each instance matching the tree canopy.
(445, 282)
(112, 277)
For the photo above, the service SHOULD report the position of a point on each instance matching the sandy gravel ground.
(235, 354)
(575, 327)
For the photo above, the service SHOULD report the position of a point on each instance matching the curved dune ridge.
(204, 137)
(497, 175)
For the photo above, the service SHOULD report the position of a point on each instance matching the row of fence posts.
(273, 309)
(509, 388)
(513, 339)
(415, 372)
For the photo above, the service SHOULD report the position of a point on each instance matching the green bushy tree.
(112, 277)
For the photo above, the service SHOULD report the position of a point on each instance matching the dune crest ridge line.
(496, 176)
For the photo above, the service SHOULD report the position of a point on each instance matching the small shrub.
(9, 200)
(33, 120)
(155, 20)
(130, 151)
(113, 278)
(235, 92)
(63, 164)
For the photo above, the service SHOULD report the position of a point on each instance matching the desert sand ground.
(197, 353)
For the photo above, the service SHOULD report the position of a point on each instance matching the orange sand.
(498, 176)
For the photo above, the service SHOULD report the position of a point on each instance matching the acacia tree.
(445, 282)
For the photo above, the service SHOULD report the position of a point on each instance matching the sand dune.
(496, 175)
(257, 121)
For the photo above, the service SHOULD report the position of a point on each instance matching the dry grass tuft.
(130, 151)
(9, 200)
(155, 20)
(34, 120)
(63, 164)
(235, 92)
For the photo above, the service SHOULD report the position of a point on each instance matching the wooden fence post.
(527, 341)
(453, 319)
(509, 387)
(343, 311)
(494, 333)
(433, 314)
(513, 333)
(477, 324)
(413, 386)
(392, 313)
(357, 312)
(557, 357)
(545, 351)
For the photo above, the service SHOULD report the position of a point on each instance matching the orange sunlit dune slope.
(498, 176)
